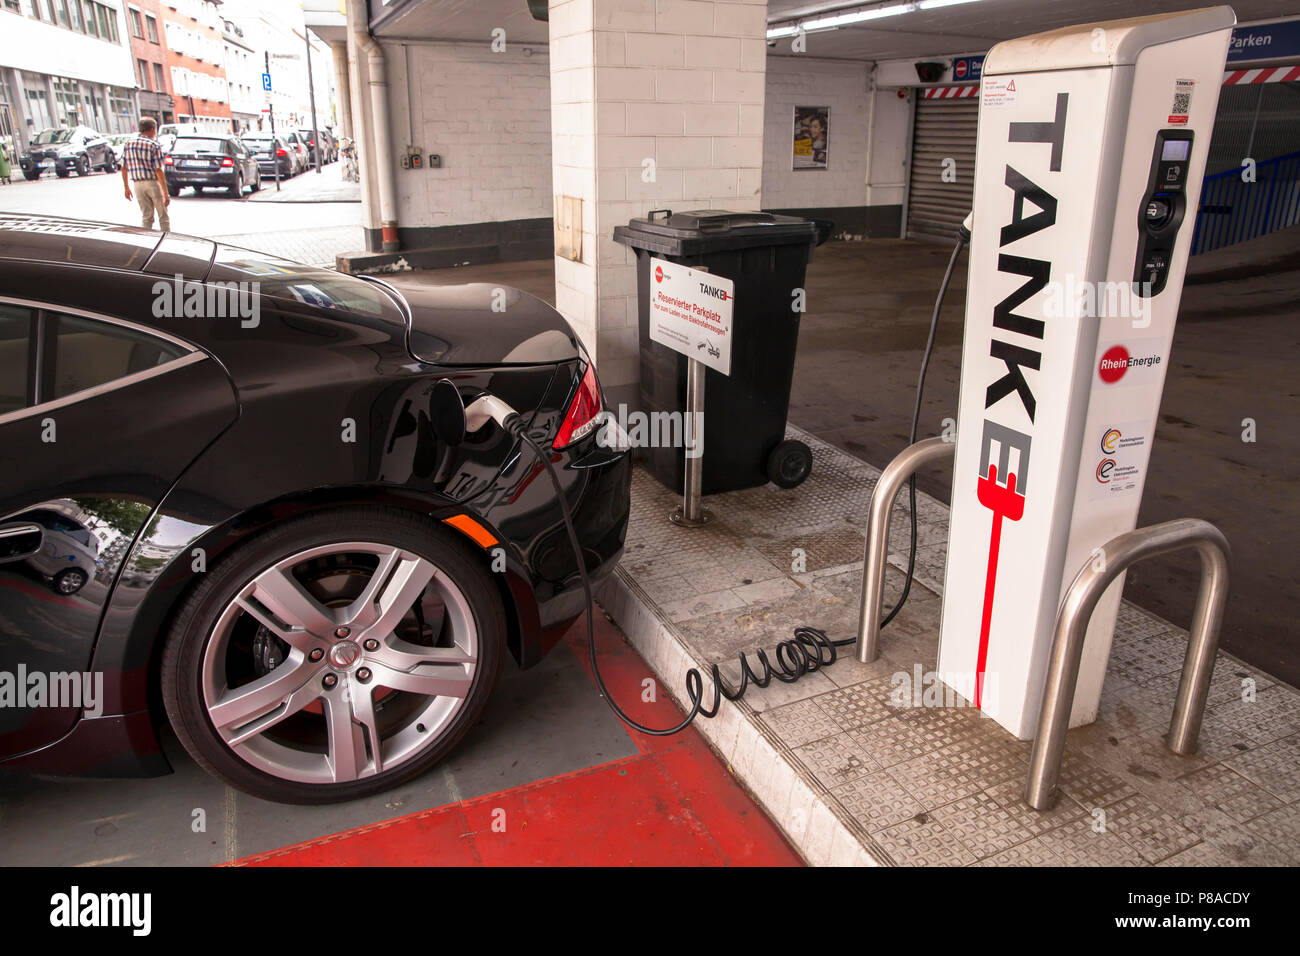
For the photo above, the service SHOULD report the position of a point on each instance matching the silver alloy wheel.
(70, 582)
(348, 658)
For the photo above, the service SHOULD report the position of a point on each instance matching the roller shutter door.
(944, 127)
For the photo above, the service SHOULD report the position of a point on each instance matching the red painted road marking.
(673, 803)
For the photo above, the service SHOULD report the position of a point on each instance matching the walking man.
(142, 164)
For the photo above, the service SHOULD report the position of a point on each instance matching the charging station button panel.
(1162, 211)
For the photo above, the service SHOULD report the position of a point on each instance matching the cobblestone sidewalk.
(315, 247)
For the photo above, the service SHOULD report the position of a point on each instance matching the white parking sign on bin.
(690, 312)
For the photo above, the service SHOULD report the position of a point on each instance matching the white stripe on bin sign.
(690, 313)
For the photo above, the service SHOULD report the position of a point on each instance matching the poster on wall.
(812, 126)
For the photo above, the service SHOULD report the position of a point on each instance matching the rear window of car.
(51, 136)
(195, 144)
(320, 288)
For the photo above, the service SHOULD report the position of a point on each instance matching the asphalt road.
(99, 196)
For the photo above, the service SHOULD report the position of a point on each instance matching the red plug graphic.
(1003, 501)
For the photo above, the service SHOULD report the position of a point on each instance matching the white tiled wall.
(807, 81)
(488, 116)
(655, 104)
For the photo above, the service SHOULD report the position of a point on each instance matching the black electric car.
(67, 150)
(211, 162)
(297, 566)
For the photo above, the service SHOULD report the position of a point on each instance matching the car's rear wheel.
(335, 656)
(236, 189)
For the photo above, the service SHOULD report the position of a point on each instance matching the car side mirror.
(447, 413)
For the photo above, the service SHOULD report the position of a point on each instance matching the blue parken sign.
(1267, 41)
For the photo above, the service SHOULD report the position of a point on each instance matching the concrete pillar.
(342, 87)
(655, 104)
(361, 125)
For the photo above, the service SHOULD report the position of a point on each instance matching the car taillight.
(227, 162)
(168, 161)
(581, 419)
(280, 152)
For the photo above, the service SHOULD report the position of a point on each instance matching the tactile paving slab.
(857, 764)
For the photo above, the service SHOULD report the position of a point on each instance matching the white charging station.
(1091, 149)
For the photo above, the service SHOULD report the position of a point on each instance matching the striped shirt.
(141, 156)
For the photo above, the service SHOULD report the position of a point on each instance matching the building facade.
(196, 62)
(149, 55)
(243, 77)
(277, 31)
(64, 62)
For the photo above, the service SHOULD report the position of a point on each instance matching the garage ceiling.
(973, 27)
(457, 20)
(970, 27)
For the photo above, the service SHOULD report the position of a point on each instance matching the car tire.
(173, 191)
(320, 562)
(83, 166)
(236, 189)
(69, 581)
(31, 176)
(257, 181)
(61, 172)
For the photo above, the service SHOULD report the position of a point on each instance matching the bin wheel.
(789, 464)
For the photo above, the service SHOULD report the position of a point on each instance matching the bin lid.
(713, 230)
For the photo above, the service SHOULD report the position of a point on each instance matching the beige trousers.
(152, 199)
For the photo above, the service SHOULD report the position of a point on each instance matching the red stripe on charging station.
(671, 804)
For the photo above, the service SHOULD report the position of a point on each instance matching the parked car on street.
(328, 148)
(117, 141)
(204, 162)
(65, 150)
(69, 554)
(271, 152)
(298, 148)
(357, 598)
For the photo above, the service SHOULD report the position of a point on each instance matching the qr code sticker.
(1182, 97)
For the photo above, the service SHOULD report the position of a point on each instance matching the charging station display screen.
(1176, 150)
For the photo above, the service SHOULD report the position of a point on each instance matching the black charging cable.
(810, 649)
